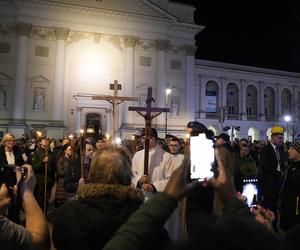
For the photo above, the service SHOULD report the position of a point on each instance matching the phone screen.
(250, 191)
(202, 157)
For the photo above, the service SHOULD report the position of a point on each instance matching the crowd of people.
(97, 195)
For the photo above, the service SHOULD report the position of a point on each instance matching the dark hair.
(152, 133)
(99, 137)
(65, 146)
(244, 139)
(174, 139)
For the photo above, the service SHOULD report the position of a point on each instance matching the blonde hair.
(111, 165)
(7, 137)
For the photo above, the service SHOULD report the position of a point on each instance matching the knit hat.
(197, 126)
(223, 136)
(296, 145)
(277, 130)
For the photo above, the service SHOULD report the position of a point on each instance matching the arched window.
(232, 94)
(251, 101)
(269, 103)
(211, 97)
(286, 102)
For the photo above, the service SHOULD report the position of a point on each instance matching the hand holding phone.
(250, 190)
(202, 157)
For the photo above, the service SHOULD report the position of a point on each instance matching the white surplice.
(160, 167)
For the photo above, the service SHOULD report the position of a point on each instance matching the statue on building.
(39, 101)
(174, 106)
(2, 99)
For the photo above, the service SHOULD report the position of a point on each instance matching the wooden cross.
(115, 100)
(148, 119)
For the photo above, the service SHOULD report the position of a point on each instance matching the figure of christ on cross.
(148, 119)
(115, 100)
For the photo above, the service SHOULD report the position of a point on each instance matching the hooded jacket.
(90, 221)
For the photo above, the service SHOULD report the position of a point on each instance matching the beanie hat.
(296, 145)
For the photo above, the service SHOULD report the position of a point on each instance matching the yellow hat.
(277, 130)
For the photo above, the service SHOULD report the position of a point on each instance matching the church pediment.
(39, 79)
(142, 87)
(143, 8)
(5, 78)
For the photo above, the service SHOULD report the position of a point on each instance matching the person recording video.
(11, 156)
(35, 235)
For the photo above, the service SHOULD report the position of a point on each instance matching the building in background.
(55, 55)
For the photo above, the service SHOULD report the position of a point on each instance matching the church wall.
(176, 70)
(7, 67)
(96, 53)
(40, 76)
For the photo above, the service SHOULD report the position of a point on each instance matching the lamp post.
(168, 92)
(287, 118)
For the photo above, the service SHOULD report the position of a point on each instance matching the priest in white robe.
(160, 167)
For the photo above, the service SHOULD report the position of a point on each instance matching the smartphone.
(202, 157)
(250, 191)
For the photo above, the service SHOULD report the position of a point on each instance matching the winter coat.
(90, 221)
(61, 169)
(290, 197)
(17, 153)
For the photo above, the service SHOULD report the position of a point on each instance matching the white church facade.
(56, 55)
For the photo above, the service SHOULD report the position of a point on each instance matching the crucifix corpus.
(148, 119)
(115, 100)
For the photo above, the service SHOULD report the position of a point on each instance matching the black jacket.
(290, 197)
(90, 221)
(270, 178)
(72, 176)
(17, 153)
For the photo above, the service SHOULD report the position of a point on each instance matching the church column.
(261, 97)
(202, 97)
(78, 120)
(295, 111)
(128, 86)
(223, 92)
(278, 101)
(23, 30)
(190, 81)
(58, 87)
(162, 46)
(243, 99)
(108, 126)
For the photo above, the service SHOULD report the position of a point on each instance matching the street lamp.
(287, 118)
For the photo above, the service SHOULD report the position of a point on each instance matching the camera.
(202, 157)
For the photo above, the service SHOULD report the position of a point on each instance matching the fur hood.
(120, 192)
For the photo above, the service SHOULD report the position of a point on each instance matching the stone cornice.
(23, 29)
(7, 28)
(90, 10)
(130, 41)
(165, 18)
(61, 33)
(42, 33)
(190, 49)
(162, 44)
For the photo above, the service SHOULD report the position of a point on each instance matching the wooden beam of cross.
(115, 100)
(148, 120)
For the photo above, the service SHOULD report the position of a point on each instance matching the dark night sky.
(262, 33)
